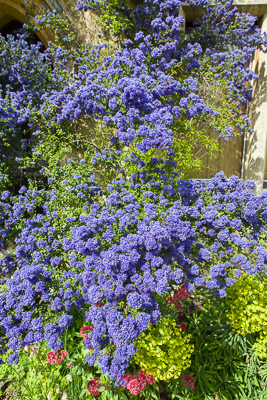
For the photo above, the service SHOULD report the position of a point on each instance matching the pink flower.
(134, 387)
(183, 326)
(136, 384)
(84, 330)
(189, 381)
(127, 377)
(53, 356)
(150, 379)
(142, 379)
(68, 366)
(34, 350)
(93, 385)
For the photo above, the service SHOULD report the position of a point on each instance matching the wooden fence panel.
(229, 159)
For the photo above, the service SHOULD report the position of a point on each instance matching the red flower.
(168, 300)
(84, 330)
(183, 292)
(183, 326)
(134, 386)
(150, 379)
(189, 381)
(53, 356)
(93, 385)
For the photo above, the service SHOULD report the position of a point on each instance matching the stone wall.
(85, 24)
(256, 145)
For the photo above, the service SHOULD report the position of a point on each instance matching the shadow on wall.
(12, 17)
(256, 144)
(13, 27)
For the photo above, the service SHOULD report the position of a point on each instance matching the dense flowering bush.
(146, 96)
(124, 253)
(109, 234)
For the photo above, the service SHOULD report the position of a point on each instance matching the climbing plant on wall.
(108, 229)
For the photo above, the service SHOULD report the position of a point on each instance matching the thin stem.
(21, 382)
(37, 373)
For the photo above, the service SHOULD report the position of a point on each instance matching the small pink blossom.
(150, 379)
(93, 385)
(189, 381)
(26, 348)
(134, 386)
(34, 350)
(53, 356)
(127, 377)
(84, 330)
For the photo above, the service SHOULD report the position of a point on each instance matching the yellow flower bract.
(248, 310)
(162, 350)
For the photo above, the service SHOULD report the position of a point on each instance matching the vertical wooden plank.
(229, 159)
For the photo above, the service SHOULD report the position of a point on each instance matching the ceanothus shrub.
(110, 251)
(121, 251)
(149, 94)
